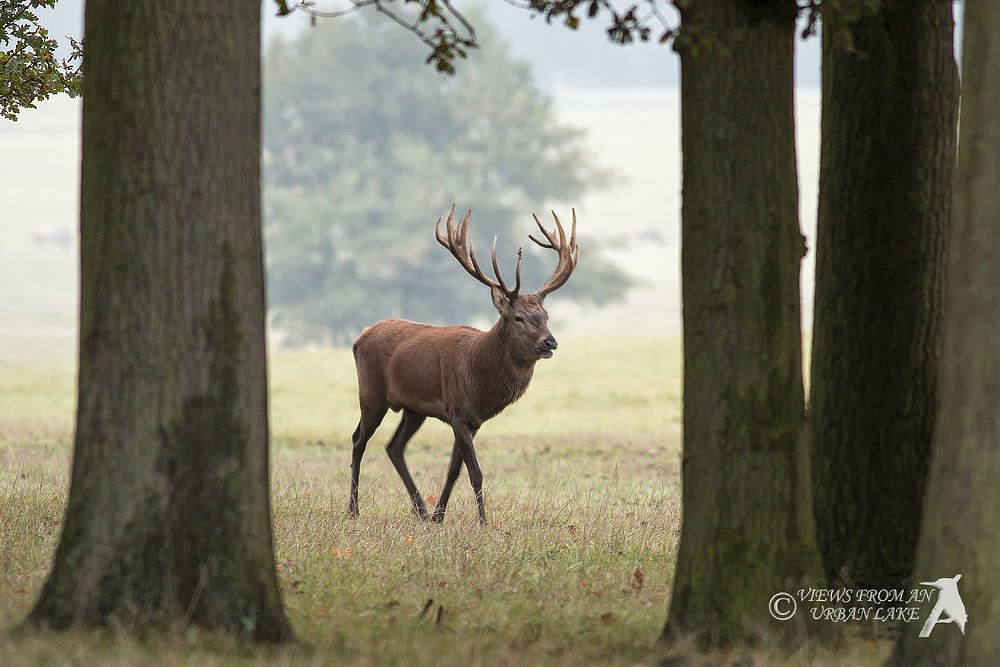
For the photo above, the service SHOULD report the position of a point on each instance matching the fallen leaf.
(607, 618)
(638, 578)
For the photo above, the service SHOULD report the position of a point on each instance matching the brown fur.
(457, 374)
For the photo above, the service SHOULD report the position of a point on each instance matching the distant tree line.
(365, 147)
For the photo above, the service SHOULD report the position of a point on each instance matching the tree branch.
(436, 23)
(628, 22)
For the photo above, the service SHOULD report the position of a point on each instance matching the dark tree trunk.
(960, 533)
(747, 512)
(169, 514)
(887, 160)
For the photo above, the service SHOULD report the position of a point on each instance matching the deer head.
(524, 322)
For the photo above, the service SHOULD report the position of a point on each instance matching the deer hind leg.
(407, 427)
(371, 417)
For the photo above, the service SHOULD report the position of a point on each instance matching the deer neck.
(498, 350)
(503, 376)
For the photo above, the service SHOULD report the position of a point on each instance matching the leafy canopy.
(29, 69)
(365, 147)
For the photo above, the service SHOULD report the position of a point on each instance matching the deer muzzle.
(548, 347)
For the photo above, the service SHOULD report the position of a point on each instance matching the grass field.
(575, 568)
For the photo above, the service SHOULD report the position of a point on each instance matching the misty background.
(624, 100)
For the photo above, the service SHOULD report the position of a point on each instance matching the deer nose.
(551, 343)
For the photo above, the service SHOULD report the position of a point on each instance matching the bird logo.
(949, 607)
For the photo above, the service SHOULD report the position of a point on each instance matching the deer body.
(457, 374)
(449, 373)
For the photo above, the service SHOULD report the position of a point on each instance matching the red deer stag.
(457, 374)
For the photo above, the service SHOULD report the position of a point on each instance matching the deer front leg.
(463, 452)
(464, 433)
(454, 468)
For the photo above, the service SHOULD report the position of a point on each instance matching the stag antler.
(568, 254)
(455, 242)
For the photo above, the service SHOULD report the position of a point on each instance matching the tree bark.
(168, 519)
(890, 96)
(747, 511)
(960, 533)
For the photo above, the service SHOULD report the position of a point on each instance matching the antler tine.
(463, 228)
(511, 294)
(569, 253)
(456, 244)
(517, 273)
(551, 243)
(572, 237)
(574, 233)
(479, 271)
(449, 227)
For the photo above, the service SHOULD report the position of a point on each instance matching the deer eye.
(518, 318)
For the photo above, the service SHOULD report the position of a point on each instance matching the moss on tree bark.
(747, 512)
(960, 532)
(168, 519)
(890, 97)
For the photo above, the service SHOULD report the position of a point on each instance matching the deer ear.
(500, 300)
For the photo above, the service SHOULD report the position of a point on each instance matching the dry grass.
(575, 567)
